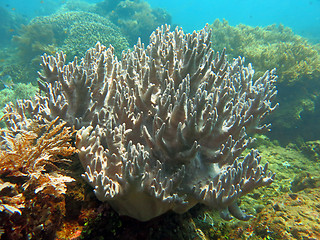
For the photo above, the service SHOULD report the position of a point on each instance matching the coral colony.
(32, 186)
(164, 128)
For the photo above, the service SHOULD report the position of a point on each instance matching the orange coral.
(28, 152)
(32, 185)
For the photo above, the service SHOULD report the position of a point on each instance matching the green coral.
(78, 40)
(269, 47)
(297, 63)
(72, 32)
(135, 18)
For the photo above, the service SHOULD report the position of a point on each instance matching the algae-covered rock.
(312, 149)
(290, 216)
(304, 180)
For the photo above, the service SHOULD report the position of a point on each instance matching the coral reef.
(292, 216)
(72, 32)
(163, 128)
(297, 62)
(10, 22)
(32, 185)
(17, 91)
(12, 65)
(134, 17)
(287, 209)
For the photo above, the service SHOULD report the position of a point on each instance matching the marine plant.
(34, 40)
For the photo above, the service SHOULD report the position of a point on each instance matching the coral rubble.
(291, 216)
(163, 128)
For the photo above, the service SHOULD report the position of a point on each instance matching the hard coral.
(272, 46)
(72, 31)
(135, 18)
(297, 62)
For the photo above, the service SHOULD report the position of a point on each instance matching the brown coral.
(32, 185)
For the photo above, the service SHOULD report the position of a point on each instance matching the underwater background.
(270, 34)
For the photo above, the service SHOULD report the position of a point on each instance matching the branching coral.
(31, 184)
(163, 128)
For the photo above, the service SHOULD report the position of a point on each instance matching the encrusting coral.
(163, 128)
(32, 186)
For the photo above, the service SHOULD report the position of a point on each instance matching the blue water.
(303, 16)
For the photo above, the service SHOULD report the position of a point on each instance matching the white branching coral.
(163, 128)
